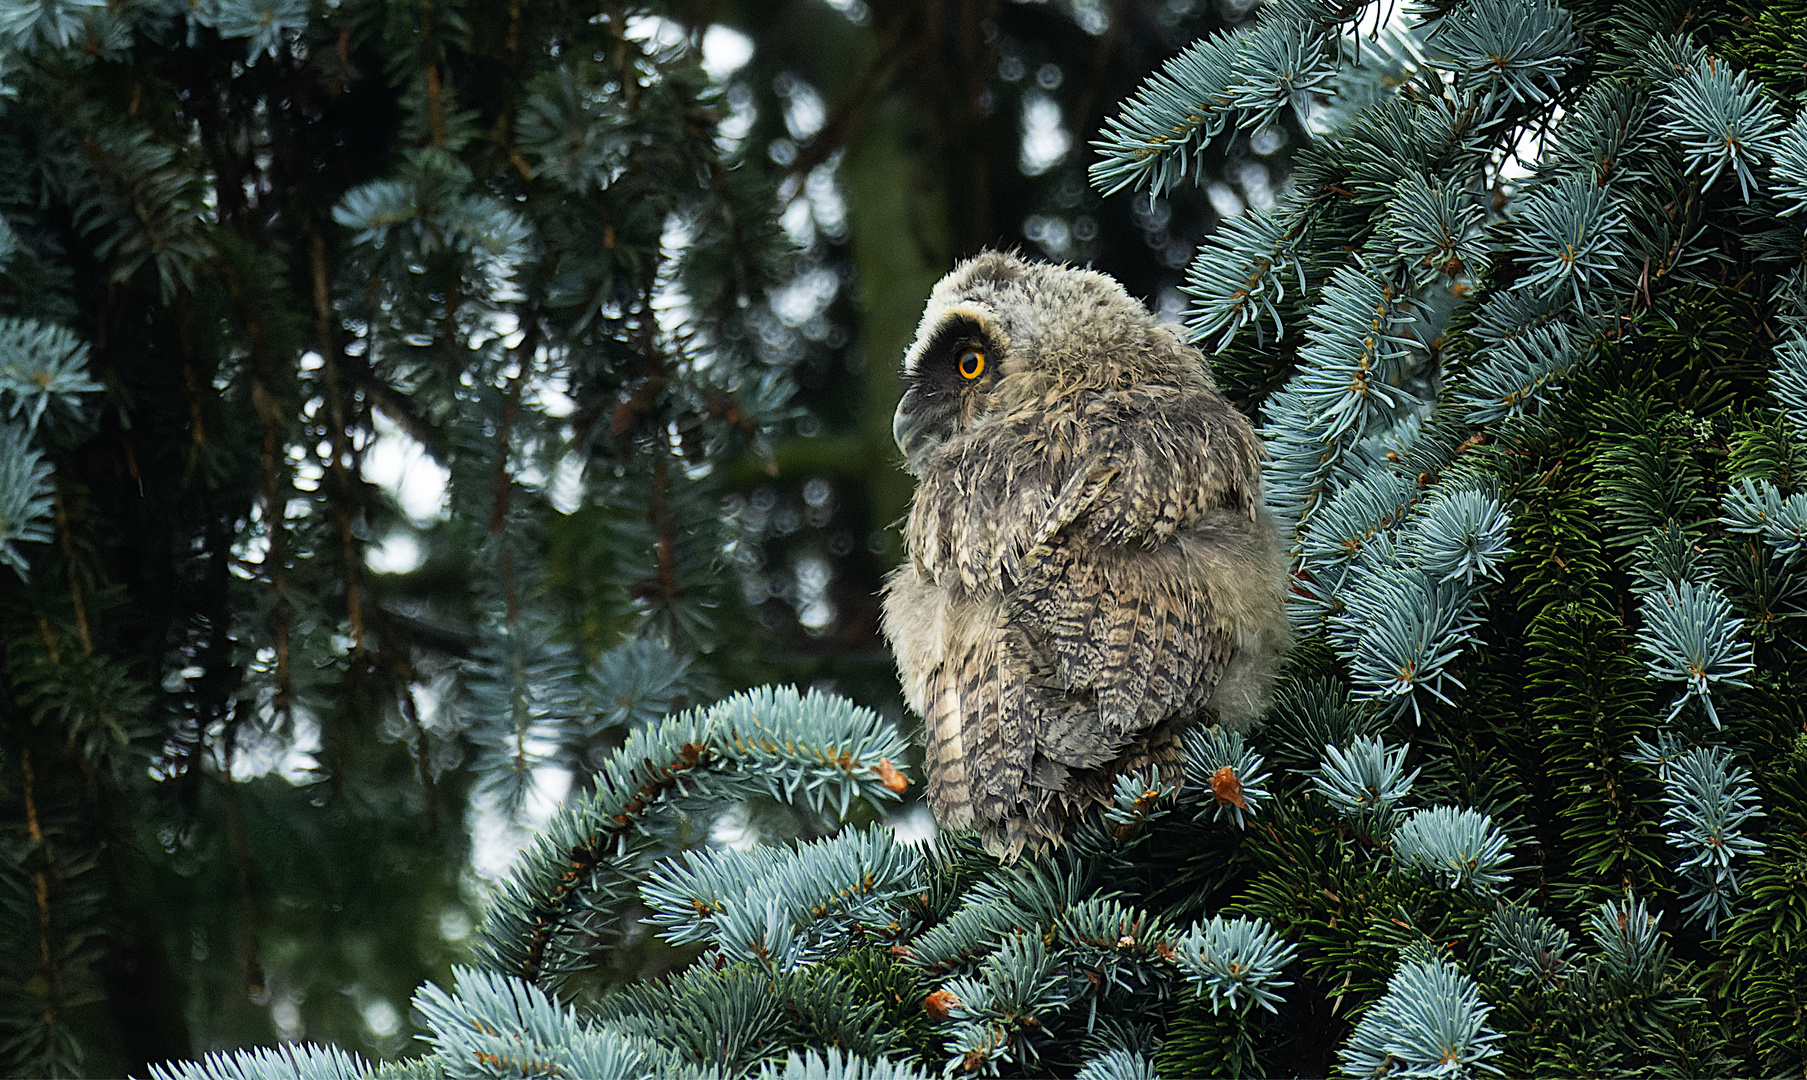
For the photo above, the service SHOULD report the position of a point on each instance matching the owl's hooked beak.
(904, 422)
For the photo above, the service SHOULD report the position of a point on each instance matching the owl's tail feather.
(1039, 819)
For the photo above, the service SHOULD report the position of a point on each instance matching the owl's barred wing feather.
(1106, 631)
(1118, 628)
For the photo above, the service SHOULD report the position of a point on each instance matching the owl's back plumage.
(1089, 564)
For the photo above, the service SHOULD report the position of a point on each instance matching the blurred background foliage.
(459, 385)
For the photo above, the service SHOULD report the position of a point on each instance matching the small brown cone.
(892, 779)
(1227, 787)
(940, 1004)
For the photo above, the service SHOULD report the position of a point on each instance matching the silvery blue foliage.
(1246, 77)
(289, 1061)
(25, 496)
(432, 209)
(1461, 535)
(1528, 943)
(1336, 536)
(27, 25)
(1207, 750)
(1723, 120)
(1353, 384)
(832, 1064)
(1527, 345)
(522, 687)
(1511, 315)
(636, 682)
(1460, 847)
(496, 1025)
(1139, 798)
(1625, 932)
(1118, 1065)
(781, 905)
(1240, 275)
(1708, 801)
(1406, 571)
(1400, 628)
(1148, 118)
(1355, 355)
(43, 372)
(1431, 1022)
(1020, 979)
(1515, 374)
(811, 748)
(1789, 175)
(1669, 745)
(1235, 962)
(1586, 225)
(1758, 508)
(263, 22)
(1436, 229)
(985, 916)
(1281, 65)
(1366, 784)
(1690, 633)
(1515, 50)
(1356, 514)
(41, 367)
(1788, 379)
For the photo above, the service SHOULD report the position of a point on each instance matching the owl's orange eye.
(972, 363)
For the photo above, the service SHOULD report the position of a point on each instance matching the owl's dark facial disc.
(944, 388)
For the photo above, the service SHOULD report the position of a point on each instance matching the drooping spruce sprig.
(1431, 1021)
(819, 751)
(1459, 847)
(25, 502)
(1366, 784)
(781, 906)
(1709, 801)
(1691, 635)
(1236, 963)
(1249, 79)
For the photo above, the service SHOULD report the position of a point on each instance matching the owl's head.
(1000, 330)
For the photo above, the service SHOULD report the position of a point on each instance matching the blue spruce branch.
(1458, 847)
(1236, 963)
(1431, 1022)
(820, 750)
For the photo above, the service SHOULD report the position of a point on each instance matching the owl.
(1089, 565)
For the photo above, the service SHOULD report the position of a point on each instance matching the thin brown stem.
(422, 747)
(659, 513)
(343, 481)
(40, 880)
(895, 53)
(435, 107)
(269, 408)
(75, 586)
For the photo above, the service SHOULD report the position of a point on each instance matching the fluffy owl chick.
(1090, 566)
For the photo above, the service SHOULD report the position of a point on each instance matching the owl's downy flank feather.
(1090, 567)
